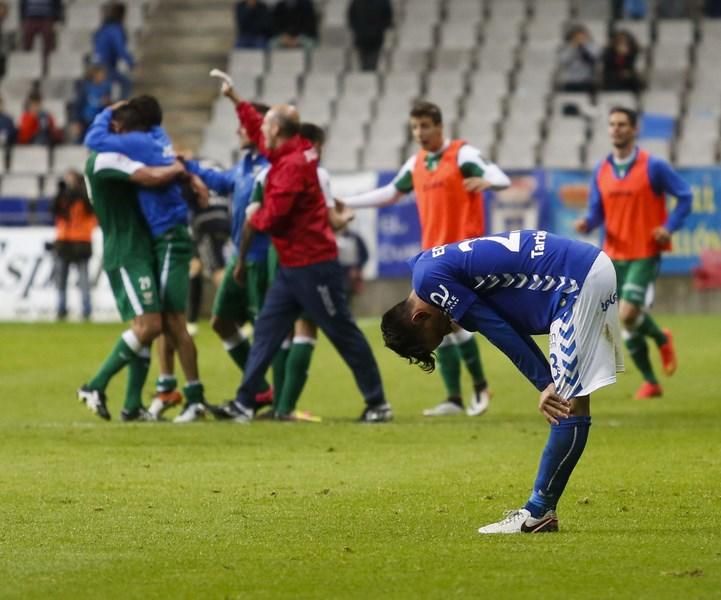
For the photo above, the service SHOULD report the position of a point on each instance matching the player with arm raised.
(448, 178)
(234, 305)
(628, 197)
(309, 278)
(510, 287)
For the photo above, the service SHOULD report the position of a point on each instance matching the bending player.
(510, 287)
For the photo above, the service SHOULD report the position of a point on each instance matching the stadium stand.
(490, 64)
(29, 173)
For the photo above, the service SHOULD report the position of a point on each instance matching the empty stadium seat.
(27, 160)
(20, 186)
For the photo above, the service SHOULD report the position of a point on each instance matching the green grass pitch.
(90, 509)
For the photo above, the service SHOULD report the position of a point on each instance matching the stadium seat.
(339, 156)
(279, 88)
(84, 17)
(30, 160)
(20, 186)
(24, 65)
(246, 62)
(66, 65)
(326, 60)
(69, 157)
(287, 62)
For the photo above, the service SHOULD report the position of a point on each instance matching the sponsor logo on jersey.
(444, 298)
(611, 300)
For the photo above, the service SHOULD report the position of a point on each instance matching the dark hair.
(629, 112)
(421, 108)
(128, 117)
(313, 133)
(287, 125)
(260, 107)
(400, 336)
(115, 12)
(148, 107)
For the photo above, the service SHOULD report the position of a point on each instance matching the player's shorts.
(586, 349)
(238, 304)
(173, 251)
(636, 279)
(135, 289)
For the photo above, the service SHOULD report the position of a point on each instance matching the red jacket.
(294, 212)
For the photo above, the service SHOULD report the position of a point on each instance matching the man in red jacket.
(309, 279)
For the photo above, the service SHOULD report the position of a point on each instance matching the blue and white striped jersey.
(508, 287)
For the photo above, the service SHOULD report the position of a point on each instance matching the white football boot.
(192, 412)
(443, 409)
(479, 403)
(521, 521)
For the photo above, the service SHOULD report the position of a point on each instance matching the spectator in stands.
(4, 41)
(95, 93)
(111, 46)
(619, 63)
(578, 58)
(712, 8)
(253, 24)
(37, 125)
(7, 128)
(74, 224)
(38, 17)
(295, 24)
(369, 19)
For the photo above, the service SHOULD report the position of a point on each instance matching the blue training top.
(238, 180)
(508, 287)
(163, 207)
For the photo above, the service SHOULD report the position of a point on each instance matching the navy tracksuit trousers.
(317, 290)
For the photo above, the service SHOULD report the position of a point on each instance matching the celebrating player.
(235, 305)
(166, 212)
(510, 287)
(628, 196)
(309, 278)
(448, 177)
(128, 261)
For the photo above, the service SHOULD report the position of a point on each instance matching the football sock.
(449, 365)
(193, 391)
(472, 359)
(165, 383)
(195, 297)
(296, 374)
(237, 347)
(564, 447)
(138, 368)
(125, 349)
(279, 361)
(638, 349)
(649, 328)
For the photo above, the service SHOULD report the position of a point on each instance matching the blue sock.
(563, 449)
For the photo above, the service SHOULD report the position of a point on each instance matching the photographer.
(74, 224)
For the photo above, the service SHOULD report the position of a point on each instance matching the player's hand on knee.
(552, 406)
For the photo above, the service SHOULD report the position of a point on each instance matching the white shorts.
(585, 342)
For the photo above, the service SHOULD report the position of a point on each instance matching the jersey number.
(512, 243)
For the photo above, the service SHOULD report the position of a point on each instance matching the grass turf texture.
(342, 510)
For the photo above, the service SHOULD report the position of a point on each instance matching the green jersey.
(126, 237)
